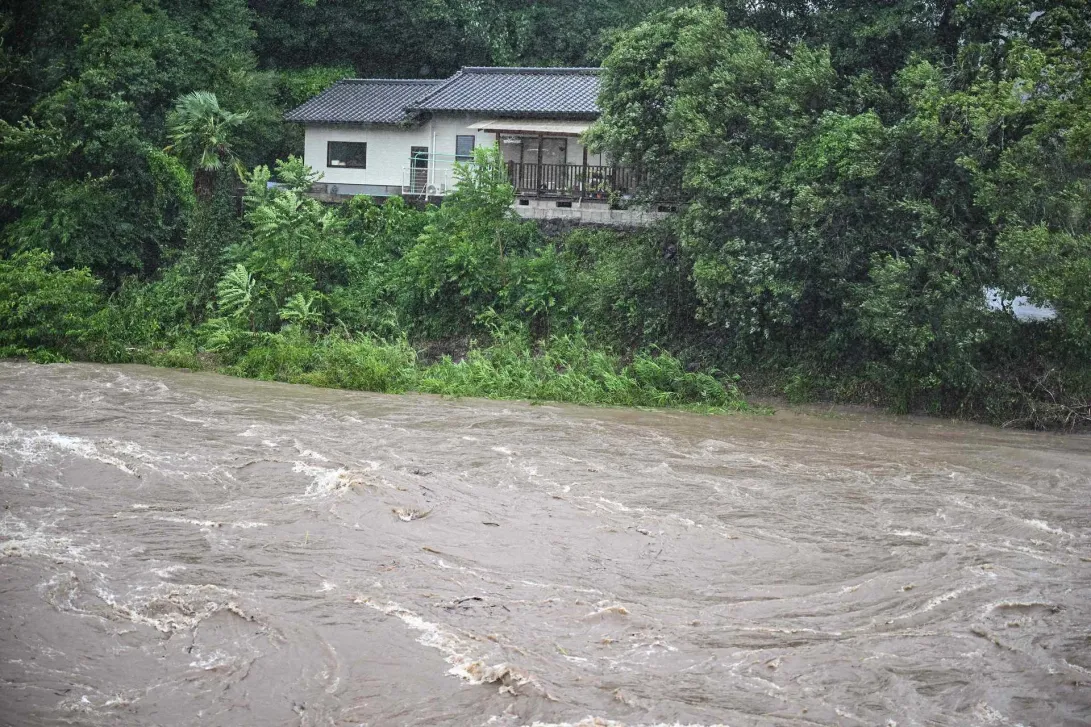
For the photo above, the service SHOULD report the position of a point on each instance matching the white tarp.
(1019, 305)
(545, 127)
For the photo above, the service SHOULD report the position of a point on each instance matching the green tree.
(202, 135)
(851, 227)
(82, 112)
(716, 115)
(44, 311)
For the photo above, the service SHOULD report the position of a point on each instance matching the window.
(464, 148)
(352, 154)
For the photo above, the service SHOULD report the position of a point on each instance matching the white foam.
(169, 571)
(323, 479)
(937, 601)
(41, 445)
(209, 524)
(36, 446)
(87, 706)
(174, 607)
(19, 539)
(985, 712)
(599, 722)
(310, 453)
(326, 480)
(608, 609)
(457, 650)
(614, 506)
(213, 661)
(1045, 527)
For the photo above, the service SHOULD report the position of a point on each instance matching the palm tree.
(201, 135)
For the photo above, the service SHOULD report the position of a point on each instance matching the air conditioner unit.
(443, 189)
(431, 190)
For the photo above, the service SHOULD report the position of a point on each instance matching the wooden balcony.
(571, 180)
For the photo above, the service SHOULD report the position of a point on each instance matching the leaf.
(235, 292)
(299, 310)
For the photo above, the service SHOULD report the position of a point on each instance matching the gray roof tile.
(544, 92)
(552, 92)
(363, 101)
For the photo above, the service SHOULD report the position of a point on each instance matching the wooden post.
(583, 179)
(540, 143)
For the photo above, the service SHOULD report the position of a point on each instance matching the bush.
(631, 288)
(46, 313)
(569, 369)
(364, 364)
(458, 267)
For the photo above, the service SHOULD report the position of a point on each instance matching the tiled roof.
(534, 92)
(363, 101)
(569, 92)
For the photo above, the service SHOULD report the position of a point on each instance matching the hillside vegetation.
(853, 177)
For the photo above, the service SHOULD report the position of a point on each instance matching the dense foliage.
(845, 218)
(853, 177)
(46, 313)
(328, 296)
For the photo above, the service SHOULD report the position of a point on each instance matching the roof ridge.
(392, 80)
(533, 69)
(439, 88)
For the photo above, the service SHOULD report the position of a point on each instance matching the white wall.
(388, 148)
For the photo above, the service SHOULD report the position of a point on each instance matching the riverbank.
(564, 368)
(351, 297)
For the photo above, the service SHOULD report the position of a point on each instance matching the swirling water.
(184, 549)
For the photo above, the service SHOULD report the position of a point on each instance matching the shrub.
(364, 364)
(47, 313)
(631, 288)
(569, 369)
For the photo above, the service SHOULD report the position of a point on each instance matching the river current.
(190, 549)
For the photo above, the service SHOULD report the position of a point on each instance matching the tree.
(203, 134)
(846, 215)
(86, 87)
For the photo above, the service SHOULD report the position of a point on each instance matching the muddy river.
(189, 549)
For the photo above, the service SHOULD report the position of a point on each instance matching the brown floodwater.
(190, 549)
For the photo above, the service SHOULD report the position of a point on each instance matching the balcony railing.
(426, 181)
(572, 180)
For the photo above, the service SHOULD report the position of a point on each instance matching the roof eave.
(507, 113)
(354, 122)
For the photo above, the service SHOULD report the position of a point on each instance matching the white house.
(385, 137)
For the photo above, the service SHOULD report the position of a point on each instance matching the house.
(385, 137)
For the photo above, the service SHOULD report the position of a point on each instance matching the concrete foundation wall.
(587, 212)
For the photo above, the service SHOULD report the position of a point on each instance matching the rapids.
(189, 549)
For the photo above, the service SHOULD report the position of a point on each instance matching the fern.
(235, 292)
(217, 334)
(299, 310)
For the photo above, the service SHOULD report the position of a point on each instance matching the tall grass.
(566, 368)
(363, 364)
